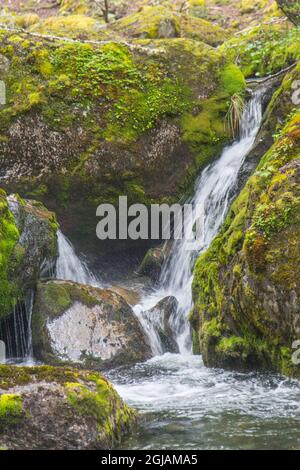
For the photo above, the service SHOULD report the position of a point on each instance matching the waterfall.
(16, 331)
(70, 267)
(214, 192)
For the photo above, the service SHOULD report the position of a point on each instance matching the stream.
(186, 405)
(183, 404)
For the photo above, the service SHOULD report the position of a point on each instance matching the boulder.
(85, 325)
(246, 286)
(152, 263)
(59, 408)
(28, 245)
(38, 238)
(143, 128)
(160, 317)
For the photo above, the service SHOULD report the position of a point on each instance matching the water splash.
(70, 267)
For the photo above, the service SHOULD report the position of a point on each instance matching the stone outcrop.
(79, 324)
(60, 408)
(28, 247)
(246, 286)
(89, 122)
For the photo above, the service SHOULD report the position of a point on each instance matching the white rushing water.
(17, 332)
(70, 267)
(188, 405)
(214, 192)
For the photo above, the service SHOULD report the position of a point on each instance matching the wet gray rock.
(152, 263)
(84, 325)
(161, 318)
(37, 246)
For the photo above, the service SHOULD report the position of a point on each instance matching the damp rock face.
(90, 326)
(160, 317)
(28, 245)
(60, 408)
(152, 263)
(246, 286)
(97, 121)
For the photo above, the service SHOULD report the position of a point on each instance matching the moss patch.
(243, 282)
(11, 410)
(9, 236)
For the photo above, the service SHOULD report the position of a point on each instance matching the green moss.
(9, 236)
(233, 80)
(149, 23)
(291, 9)
(11, 410)
(85, 394)
(74, 26)
(257, 246)
(264, 49)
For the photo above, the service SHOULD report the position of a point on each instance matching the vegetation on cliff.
(9, 236)
(249, 276)
(111, 119)
(28, 239)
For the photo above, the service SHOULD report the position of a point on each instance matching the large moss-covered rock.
(160, 22)
(246, 286)
(291, 8)
(73, 26)
(28, 245)
(85, 123)
(60, 408)
(152, 263)
(81, 324)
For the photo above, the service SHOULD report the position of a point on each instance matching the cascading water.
(194, 407)
(16, 331)
(215, 189)
(70, 267)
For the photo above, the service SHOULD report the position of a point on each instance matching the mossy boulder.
(59, 408)
(161, 22)
(73, 26)
(235, 15)
(84, 325)
(155, 22)
(86, 123)
(246, 286)
(152, 263)
(28, 245)
(291, 9)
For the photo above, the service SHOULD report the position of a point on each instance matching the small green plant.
(234, 114)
